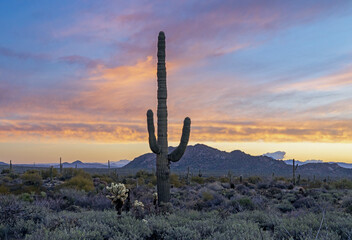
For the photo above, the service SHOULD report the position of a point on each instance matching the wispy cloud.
(206, 131)
(104, 65)
(339, 79)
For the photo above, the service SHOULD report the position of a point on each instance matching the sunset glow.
(76, 78)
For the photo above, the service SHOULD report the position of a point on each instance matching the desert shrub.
(210, 179)
(105, 178)
(326, 197)
(282, 179)
(262, 185)
(285, 206)
(290, 197)
(315, 184)
(5, 171)
(153, 180)
(66, 198)
(273, 192)
(80, 182)
(265, 221)
(305, 202)
(254, 179)
(242, 189)
(305, 226)
(343, 184)
(144, 174)
(26, 197)
(207, 196)
(246, 203)
(197, 179)
(47, 173)
(90, 225)
(224, 180)
(32, 177)
(6, 179)
(280, 184)
(175, 181)
(140, 181)
(4, 189)
(18, 218)
(347, 204)
(326, 186)
(259, 201)
(181, 233)
(69, 173)
(13, 175)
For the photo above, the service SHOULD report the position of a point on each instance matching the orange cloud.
(122, 75)
(313, 131)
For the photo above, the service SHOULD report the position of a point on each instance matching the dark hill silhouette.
(213, 161)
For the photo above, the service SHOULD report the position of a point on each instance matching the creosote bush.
(197, 179)
(79, 182)
(32, 177)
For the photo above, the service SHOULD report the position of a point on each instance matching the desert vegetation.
(43, 204)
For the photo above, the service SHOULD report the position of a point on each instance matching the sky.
(77, 77)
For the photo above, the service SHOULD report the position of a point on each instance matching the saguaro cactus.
(60, 166)
(51, 172)
(294, 168)
(160, 146)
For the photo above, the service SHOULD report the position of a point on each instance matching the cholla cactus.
(138, 209)
(118, 195)
(155, 199)
(138, 204)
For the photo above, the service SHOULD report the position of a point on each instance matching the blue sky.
(253, 75)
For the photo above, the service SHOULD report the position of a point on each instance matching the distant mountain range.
(77, 163)
(300, 163)
(211, 160)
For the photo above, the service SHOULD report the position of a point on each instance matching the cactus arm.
(151, 130)
(180, 150)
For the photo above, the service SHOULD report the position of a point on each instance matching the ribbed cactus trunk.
(60, 166)
(51, 173)
(160, 146)
(294, 168)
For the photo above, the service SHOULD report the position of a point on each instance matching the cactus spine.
(160, 146)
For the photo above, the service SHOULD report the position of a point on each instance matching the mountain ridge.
(80, 164)
(208, 159)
